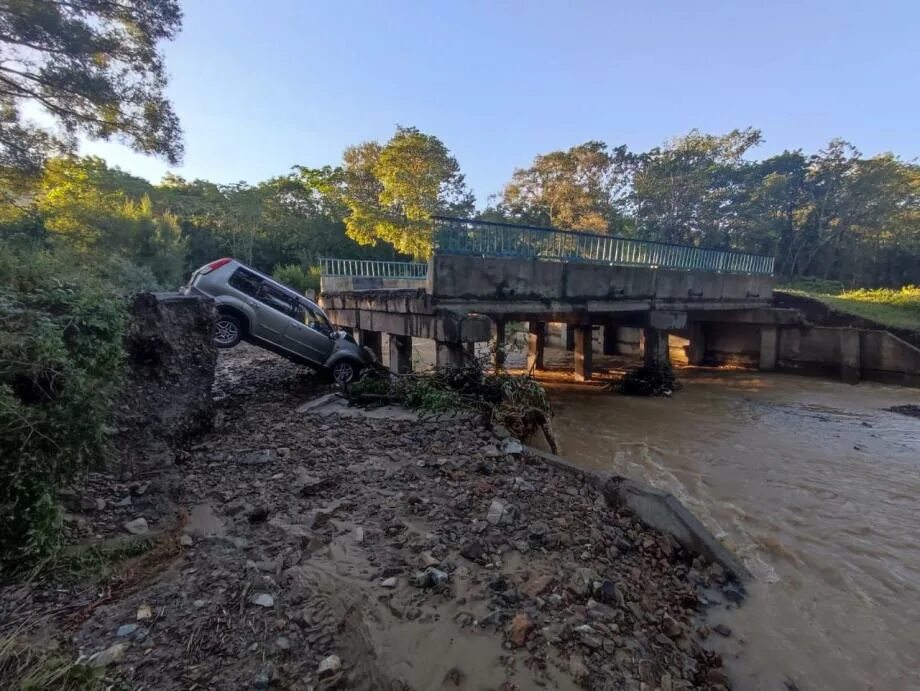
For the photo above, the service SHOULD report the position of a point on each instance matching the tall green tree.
(390, 191)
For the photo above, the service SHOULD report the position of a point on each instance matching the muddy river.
(813, 484)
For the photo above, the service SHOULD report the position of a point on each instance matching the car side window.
(276, 299)
(245, 282)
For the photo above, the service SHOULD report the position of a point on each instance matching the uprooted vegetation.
(517, 403)
(649, 381)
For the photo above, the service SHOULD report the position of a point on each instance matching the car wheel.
(227, 331)
(344, 372)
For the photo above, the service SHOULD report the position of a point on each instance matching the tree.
(95, 67)
(582, 188)
(391, 191)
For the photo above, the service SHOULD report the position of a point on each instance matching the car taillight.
(213, 266)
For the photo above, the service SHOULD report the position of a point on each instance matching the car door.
(275, 310)
(308, 335)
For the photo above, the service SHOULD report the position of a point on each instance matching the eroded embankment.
(420, 554)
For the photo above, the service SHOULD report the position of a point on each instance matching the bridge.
(482, 275)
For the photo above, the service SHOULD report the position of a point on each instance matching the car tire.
(228, 331)
(345, 371)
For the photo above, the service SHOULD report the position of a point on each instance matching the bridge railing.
(372, 268)
(486, 238)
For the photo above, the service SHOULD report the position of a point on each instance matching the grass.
(894, 307)
(26, 665)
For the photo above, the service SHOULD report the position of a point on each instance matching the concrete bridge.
(483, 275)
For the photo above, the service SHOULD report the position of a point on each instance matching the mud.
(420, 554)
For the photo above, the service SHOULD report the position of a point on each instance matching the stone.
(520, 629)
(262, 681)
(258, 515)
(308, 485)
(100, 504)
(107, 657)
(137, 527)
(139, 489)
(491, 451)
(431, 577)
(607, 591)
(523, 485)
(263, 600)
(359, 535)
(537, 585)
(390, 582)
(144, 612)
(671, 627)
(722, 630)
(186, 541)
(426, 559)
(512, 446)
(283, 643)
(499, 513)
(329, 666)
(125, 630)
(474, 551)
(198, 604)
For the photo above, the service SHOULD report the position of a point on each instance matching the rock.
(283, 452)
(390, 582)
(186, 541)
(512, 446)
(671, 627)
(520, 629)
(282, 643)
(578, 670)
(589, 637)
(537, 585)
(607, 591)
(491, 451)
(522, 485)
(474, 551)
(359, 535)
(100, 504)
(144, 612)
(198, 604)
(262, 681)
(431, 577)
(426, 559)
(485, 468)
(722, 630)
(308, 485)
(125, 630)
(329, 666)
(263, 600)
(109, 656)
(139, 489)
(501, 431)
(500, 513)
(137, 527)
(258, 515)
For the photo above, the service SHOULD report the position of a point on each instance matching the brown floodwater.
(812, 484)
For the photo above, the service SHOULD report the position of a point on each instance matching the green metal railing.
(489, 239)
(373, 268)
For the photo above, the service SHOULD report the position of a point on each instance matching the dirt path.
(372, 554)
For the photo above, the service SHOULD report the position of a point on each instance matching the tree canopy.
(95, 67)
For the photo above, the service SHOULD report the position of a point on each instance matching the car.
(255, 308)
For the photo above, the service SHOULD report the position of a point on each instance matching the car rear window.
(245, 282)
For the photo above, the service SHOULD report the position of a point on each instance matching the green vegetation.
(894, 307)
(27, 665)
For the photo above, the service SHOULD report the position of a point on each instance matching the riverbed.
(812, 483)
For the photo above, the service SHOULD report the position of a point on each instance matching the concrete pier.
(583, 366)
(536, 345)
(400, 353)
(657, 352)
(499, 344)
(768, 348)
(373, 340)
(449, 355)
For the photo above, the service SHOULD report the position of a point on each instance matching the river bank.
(293, 551)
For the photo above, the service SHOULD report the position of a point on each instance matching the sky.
(261, 86)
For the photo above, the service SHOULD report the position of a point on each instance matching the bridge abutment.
(536, 345)
(400, 353)
(584, 369)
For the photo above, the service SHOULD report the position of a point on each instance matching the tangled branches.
(517, 403)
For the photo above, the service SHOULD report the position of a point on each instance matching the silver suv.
(253, 307)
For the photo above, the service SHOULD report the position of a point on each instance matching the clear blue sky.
(262, 86)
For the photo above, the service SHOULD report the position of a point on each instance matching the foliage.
(95, 67)
(27, 665)
(894, 307)
(390, 191)
(60, 351)
(295, 276)
(518, 403)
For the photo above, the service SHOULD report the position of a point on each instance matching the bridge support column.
(568, 337)
(768, 344)
(536, 344)
(400, 354)
(696, 351)
(850, 356)
(499, 344)
(583, 366)
(449, 355)
(611, 337)
(656, 348)
(374, 341)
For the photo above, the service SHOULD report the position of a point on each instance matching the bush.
(298, 278)
(60, 353)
